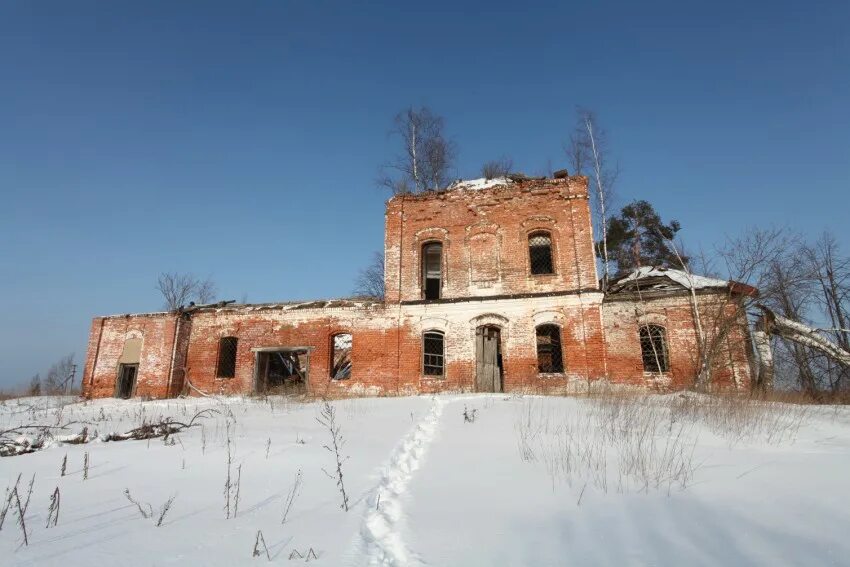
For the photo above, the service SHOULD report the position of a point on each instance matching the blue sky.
(241, 140)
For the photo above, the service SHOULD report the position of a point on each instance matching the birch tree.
(589, 154)
(426, 157)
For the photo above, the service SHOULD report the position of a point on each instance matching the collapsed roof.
(657, 278)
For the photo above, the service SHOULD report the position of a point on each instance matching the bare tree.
(370, 280)
(34, 388)
(60, 375)
(589, 153)
(790, 293)
(205, 291)
(832, 275)
(426, 157)
(179, 289)
(497, 168)
(800, 286)
(749, 258)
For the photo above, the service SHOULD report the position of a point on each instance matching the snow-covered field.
(650, 480)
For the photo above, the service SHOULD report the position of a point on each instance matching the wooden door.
(488, 375)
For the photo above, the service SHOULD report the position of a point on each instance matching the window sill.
(432, 377)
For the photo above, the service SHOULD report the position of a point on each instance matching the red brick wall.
(485, 239)
(373, 356)
(600, 342)
(731, 363)
(106, 343)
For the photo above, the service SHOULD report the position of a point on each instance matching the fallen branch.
(14, 442)
(802, 334)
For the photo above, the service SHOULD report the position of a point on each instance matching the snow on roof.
(684, 279)
(482, 183)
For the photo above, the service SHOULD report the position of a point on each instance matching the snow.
(680, 277)
(481, 183)
(621, 480)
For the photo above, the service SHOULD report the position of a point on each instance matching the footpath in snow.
(384, 518)
(653, 480)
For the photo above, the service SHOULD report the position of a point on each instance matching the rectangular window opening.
(282, 372)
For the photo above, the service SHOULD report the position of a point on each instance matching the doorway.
(281, 371)
(126, 384)
(488, 359)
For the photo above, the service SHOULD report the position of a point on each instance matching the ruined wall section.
(731, 363)
(484, 233)
(374, 331)
(107, 338)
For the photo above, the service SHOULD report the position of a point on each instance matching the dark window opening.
(282, 372)
(433, 359)
(432, 270)
(653, 348)
(540, 253)
(226, 357)
(341, 368)
(549, 357)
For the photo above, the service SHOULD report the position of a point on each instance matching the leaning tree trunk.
(802, 335)
(764, 350)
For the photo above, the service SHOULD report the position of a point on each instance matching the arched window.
(433, 353)
(341, 356)
(653, 348)
(540, 253)
(549, 356)
(226, 367)
(432, 270)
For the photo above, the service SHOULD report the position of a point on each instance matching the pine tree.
(638, 237)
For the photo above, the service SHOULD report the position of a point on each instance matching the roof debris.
(477, 184)
(648, 278)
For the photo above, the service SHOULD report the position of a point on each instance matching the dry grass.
(642, 442)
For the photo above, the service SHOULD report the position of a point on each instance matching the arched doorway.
(488, 359)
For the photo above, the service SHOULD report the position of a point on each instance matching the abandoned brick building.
(490, 286)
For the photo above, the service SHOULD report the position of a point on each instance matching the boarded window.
(432, 259)
(549, 356)
(341, 356)
(540, 253)
(226, 367)
(433, 359)
(132, 352)
(653, 348)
